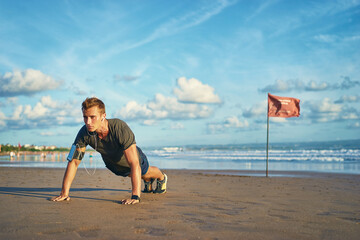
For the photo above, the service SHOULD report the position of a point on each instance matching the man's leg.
(153, 173)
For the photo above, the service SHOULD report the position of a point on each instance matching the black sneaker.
(148, 186)
(161, 185)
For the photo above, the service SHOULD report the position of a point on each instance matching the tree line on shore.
(32, 148)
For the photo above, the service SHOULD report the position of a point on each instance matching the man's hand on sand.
(129, 201)
(60, 198)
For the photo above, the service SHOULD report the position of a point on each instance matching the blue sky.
(180, 72)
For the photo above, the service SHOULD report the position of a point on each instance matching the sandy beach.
(198, 205)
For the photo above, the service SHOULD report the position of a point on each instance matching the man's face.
(93, 118)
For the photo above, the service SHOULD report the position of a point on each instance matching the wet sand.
(198, 205)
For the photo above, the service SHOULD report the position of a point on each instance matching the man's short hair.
(93, 102)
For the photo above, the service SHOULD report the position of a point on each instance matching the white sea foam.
(342, 158)
(259, 155)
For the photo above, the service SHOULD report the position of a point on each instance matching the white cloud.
(259, 109)
(163, 107)
(44, 113)
(39, 111)
(314, 86)
(283, 86)
(48, 102)
(325, 106)
(47, 134)
(350, 116)
(354, 125)
(149, 122)
(234, 122)
(177, 126)
(327, 111)
(346, 98)
(190, 103)
(215, 128)
(17, 113)
(194, 91)
(133, 110)
(229, 123)
(26, 82)
(2, 119)
(298, 85)
(278, 120)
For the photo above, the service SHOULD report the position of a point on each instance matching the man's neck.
(104, 129)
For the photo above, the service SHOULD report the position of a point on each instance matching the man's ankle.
(162, 177)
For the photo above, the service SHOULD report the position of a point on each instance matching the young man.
(116, 143)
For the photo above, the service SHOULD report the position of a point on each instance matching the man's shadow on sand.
(44, 193)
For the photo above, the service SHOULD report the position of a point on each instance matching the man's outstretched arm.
(132, 157)
(69, 176)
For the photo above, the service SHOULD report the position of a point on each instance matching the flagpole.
(284, 107)
(267, 145)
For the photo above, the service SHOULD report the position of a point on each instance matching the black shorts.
(125, 171)
(144, 162)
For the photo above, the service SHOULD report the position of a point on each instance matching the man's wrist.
(135, 197)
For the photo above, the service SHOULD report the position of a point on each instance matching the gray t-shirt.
(119, 138)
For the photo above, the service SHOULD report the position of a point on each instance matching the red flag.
(283, 106)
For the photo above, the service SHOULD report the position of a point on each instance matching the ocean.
(330, 157)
